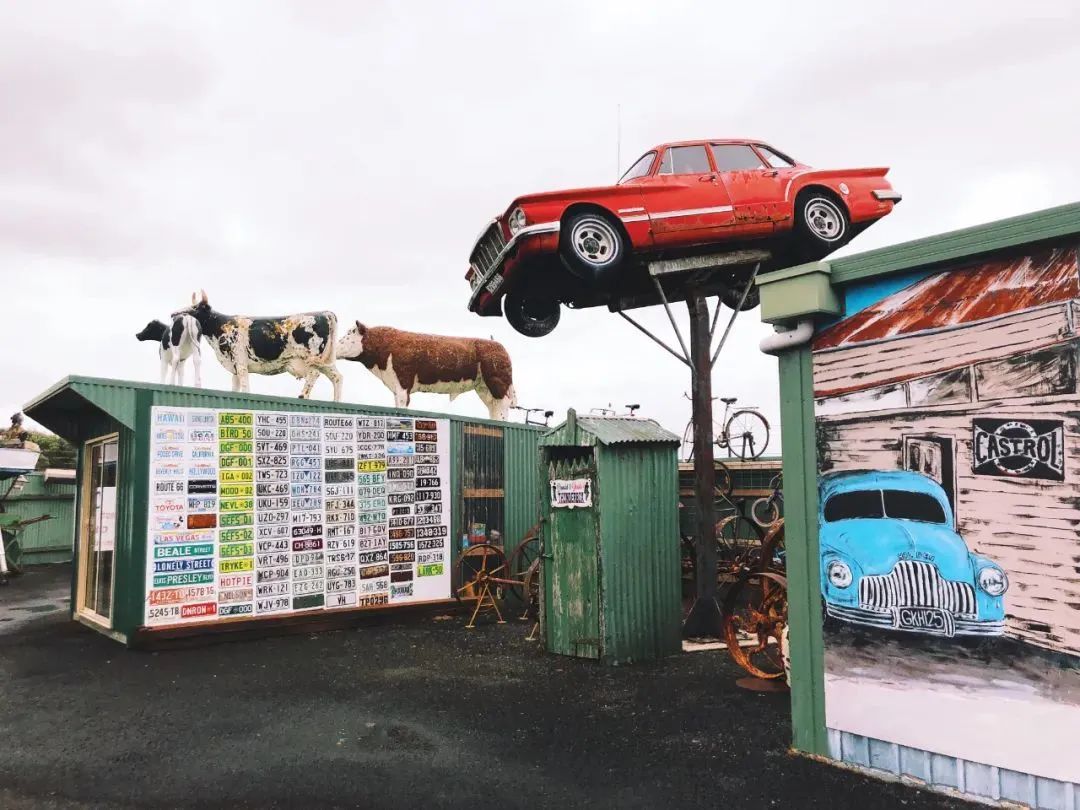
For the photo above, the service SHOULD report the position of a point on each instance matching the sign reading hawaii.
(263, 513)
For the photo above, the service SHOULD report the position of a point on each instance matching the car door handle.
(772, 173)
(707, 178)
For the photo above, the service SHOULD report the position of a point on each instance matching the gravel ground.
(423, 713)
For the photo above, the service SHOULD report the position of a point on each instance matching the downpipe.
(784, 339)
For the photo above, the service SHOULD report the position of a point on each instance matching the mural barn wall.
(948, 439)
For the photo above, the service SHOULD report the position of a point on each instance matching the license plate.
(933, 621)
(494, 284)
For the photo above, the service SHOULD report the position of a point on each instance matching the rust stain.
(962, 296)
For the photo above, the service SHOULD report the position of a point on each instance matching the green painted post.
(801, 540)
(131, 575)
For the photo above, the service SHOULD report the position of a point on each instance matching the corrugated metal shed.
(610, 430)
(612, 574)
(493, 464)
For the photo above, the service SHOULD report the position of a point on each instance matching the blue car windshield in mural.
(891, 558)
(881, 503)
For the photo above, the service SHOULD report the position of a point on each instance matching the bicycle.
(766, 511)
(530, 411)
(744, 433)
(609, 411)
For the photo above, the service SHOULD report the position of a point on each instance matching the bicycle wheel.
(686, 449)
(747, 434)
(765, 512)
(724, 481)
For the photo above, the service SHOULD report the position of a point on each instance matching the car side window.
(735, 157)
(685, 160)
(775, 159)
(850, 505)
(641, 168)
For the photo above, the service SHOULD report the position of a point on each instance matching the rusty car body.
(588, 247)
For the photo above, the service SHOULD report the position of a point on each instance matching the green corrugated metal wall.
(51, 540)
(81, 408)
(639, 551)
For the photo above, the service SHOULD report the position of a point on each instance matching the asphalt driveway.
(418, 714)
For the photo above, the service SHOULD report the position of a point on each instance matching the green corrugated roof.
(611, 430)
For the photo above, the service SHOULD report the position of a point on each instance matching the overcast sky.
(344, 156)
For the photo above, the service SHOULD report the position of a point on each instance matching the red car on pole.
(591, 246)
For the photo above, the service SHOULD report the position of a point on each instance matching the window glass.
(850, 505)
(641, 168)
(775, 159)
(685, 160)
(913, 506)
(734, 157)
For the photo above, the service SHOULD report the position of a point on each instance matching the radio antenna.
(618, 141)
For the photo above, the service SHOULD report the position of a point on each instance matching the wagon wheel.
(531, 589)
(773, 552)
(521, 559)
(756, 608)
(478, 564)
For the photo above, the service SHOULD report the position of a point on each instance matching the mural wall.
(948, 436)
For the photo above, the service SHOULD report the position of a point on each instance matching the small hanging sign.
(571, 493)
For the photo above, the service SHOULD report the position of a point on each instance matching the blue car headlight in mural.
(993, 580)
(839, 574)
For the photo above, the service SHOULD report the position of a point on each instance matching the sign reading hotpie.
(259, 513)
(1019, 448)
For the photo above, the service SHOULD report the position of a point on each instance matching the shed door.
(572, 575)
(97, 531)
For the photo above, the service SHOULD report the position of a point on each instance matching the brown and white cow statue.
(301, 344)
(410, 362)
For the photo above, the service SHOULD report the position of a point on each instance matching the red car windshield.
(641, 168)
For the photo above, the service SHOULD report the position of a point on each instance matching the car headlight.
(993, 581)
(839, 574)
(516, 221)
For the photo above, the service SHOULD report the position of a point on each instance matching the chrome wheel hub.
(595, 241)
(824, 220)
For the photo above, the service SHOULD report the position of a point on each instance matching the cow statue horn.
(204, 298)
(193, 299)
(360, 328)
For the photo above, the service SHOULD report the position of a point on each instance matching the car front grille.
(916, 584)
(486, 253)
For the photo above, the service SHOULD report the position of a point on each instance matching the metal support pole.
(742, 300)
(704, 616)
(671, 315)
(654, 338)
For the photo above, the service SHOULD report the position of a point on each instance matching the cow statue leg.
(165, 369)
(178, 375)
(309, 383)
(196, 361)
(334, 376)
(498, 407)
(235, 382)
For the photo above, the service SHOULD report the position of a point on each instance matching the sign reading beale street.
(260, 513)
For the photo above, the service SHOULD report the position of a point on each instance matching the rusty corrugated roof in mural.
(994, 288)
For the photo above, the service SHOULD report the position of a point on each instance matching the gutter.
(783, 340)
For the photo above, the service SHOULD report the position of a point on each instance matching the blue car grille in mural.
(916, 584)
(891, 558)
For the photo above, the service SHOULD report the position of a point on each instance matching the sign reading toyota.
(1019, 448)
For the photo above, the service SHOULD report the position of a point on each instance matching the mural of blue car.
(891, 558)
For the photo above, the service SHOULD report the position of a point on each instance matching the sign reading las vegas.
(260, 513)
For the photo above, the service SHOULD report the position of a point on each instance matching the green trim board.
(801, 544)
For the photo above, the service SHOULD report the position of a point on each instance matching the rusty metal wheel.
(521, 559)
(754, 618)
(738, 542)
(531, 589)
(478, 565)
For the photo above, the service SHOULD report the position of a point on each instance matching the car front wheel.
(532, 316)
(822, 221)
(591, 245)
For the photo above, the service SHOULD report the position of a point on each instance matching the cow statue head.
(200, 308)
(351, 344)
(155, 330)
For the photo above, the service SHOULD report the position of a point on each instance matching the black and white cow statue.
(303, 345)
(176, 343)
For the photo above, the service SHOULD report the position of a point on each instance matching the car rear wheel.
(532, 316)
(822, 220)
(591, 245)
